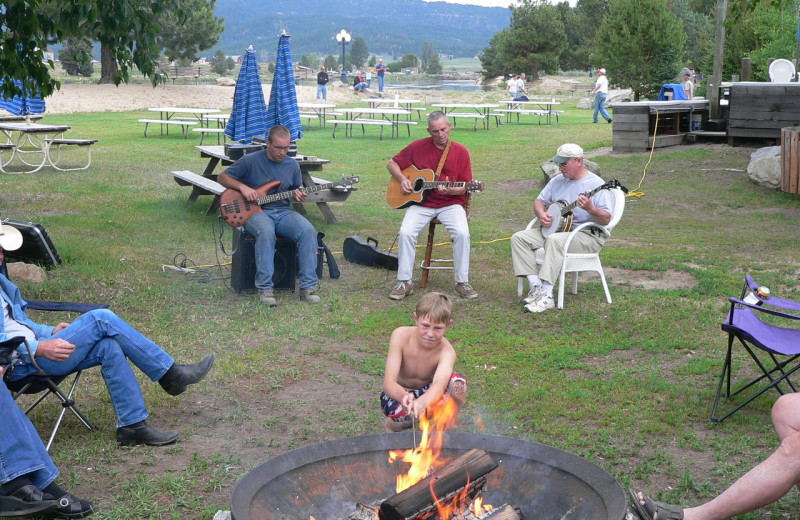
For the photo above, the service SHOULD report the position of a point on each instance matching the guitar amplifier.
(284, 277)
(36, 244)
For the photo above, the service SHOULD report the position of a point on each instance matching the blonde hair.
(436, 306)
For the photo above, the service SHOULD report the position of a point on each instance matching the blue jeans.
(21, 448)
(361, 87)
(103, 338)
(369, 82)
(288, 224)
(600, 106)
(322, 91)
(380, 83)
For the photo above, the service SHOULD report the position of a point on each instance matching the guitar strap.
(442, 160)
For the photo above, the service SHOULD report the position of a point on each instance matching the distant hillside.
(391, 28)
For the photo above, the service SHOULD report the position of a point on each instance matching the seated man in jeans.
(98, 337)
(27, 473)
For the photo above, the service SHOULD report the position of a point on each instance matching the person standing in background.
(322, 83)
(381, 68)
(600, 94)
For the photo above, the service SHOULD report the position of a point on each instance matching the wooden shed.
(642, 125)
(760, 109)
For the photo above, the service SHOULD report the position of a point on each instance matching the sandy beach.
(74, 98)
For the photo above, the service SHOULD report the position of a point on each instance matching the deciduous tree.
(331, 63)
(76, 57)
(429, 61)
(641, 45)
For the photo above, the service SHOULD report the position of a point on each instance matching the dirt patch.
(669, 279)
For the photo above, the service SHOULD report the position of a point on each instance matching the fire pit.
(327, 480)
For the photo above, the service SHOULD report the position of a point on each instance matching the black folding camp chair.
(775, 349)
(40, 382)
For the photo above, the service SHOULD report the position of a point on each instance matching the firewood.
(469, 468)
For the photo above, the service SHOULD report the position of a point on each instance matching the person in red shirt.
(445, 203)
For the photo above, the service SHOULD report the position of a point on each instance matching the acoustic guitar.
(236, 210)
(561, 212)
(421, 181)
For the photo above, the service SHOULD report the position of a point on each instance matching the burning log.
(465, 476)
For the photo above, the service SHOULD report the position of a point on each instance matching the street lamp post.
(344, 38)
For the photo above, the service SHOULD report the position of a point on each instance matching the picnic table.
(474, 111)
(318, 110)
(387, 117)
(405, 104)
(532, 107)
(169, 116)
(30, 143)
(216, 156)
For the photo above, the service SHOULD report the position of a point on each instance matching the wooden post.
(747, 68)
(790, 159)
(713, 90)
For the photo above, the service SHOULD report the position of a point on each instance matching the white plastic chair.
(580, 262)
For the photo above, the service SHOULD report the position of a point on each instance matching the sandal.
(651, 508)
(25, 501)
(70, 506)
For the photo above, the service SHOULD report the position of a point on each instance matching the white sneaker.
(541, 304)
(533, 294)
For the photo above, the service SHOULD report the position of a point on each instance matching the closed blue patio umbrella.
(23, 105)
(282, 109)
(248, 116)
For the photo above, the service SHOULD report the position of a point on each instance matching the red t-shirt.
(423, 154)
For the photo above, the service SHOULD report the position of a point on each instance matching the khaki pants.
(524, 243)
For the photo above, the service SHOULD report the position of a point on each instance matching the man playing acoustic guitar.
(451, 163)
(254, 170)
(571, 184)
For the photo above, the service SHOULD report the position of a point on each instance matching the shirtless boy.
(419, 367)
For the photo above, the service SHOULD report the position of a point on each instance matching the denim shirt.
(17, 308)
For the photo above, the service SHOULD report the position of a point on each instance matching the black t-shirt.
(322, 78)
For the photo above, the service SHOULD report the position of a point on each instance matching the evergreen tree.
(331, 63)
(358, 52)
(76, 57)
(310, 60)
(372, 61)
(188, 27)
(409, 61)
(492, 56)
(219, 63)
(641, 45)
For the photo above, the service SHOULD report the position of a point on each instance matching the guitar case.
(36, 244)
(367, 252)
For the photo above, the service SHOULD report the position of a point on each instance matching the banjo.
(561, 211)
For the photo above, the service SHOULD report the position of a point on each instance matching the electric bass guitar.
(561, 211)
(421, 182)
(236, 210)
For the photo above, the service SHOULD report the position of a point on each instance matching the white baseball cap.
(601, 71)
(10, 237)
(566, 152)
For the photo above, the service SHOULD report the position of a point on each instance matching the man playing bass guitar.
(254, 170)
(572, 184)
(451, 162)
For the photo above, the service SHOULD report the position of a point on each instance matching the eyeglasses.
(280, 148)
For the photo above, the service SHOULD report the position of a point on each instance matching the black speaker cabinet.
(36, 244)
(243, 269)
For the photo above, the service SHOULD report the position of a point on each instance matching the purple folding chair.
(775, 349)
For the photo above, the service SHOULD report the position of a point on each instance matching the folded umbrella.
(282, 109)
(248, 116)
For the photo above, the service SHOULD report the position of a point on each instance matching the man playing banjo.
(567, 188)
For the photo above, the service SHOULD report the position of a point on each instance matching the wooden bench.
(467, 115)
(58, 143)
(203, 131)
(174, 72)
(362, 122)
(183, 124)
(581, 87)
(200, 186)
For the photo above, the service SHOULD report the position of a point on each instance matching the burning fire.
(424, 459)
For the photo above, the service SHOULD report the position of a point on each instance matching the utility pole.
(716, 75)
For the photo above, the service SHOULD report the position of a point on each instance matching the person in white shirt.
(521, 85)
(600, 94)
(511, 86)
(688, 86)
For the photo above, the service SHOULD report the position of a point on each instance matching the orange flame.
(478, 508)
(437, 419)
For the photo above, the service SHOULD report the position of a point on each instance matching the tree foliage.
(188, 27)
(310, 60)
(331, 63)
(409, 61)
(76, 57)
(641, 45)
(359, 52)
(699, 29)
(221, 64)
(128, 31)
(533, 41)
(429, 60)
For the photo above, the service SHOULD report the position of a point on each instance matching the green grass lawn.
(627, 385)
